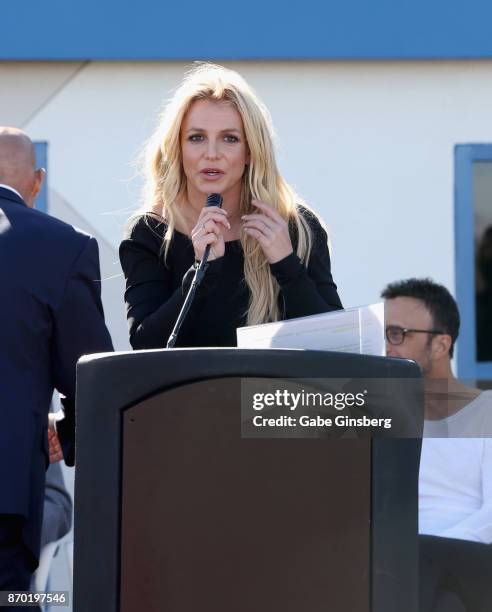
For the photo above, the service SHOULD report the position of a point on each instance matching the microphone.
(213, 199)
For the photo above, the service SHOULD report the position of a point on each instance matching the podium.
(175, 511)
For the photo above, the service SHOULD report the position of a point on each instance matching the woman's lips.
(211, 174)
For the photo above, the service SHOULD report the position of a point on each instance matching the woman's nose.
(212, 149)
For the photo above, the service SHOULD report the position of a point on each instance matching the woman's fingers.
(209, 211)
(262, 239)
(208, 231)
(268, 210)
(270, 230)
(262, 227)
(270, 223)
(209, 239)
(211, 216)
(206, 228)
(214, 209)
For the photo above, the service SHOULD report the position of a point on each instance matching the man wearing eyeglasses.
(455, 480)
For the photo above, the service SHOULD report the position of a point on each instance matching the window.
(473, 231)
(41, 149)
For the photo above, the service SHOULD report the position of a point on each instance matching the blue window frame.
(41, 149)
(467, 158)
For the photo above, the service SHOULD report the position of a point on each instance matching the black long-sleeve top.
(156, 288)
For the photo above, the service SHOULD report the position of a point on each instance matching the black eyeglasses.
(396, 334)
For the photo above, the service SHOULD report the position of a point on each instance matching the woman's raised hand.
(271, 231)
(209, 229)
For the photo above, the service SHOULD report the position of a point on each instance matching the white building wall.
(368, 144)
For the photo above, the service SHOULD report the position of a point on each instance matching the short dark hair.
(436, 298)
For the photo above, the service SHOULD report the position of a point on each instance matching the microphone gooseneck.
(213, 199)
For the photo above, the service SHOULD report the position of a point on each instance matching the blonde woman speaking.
(269, 257)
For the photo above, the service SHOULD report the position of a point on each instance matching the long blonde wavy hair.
(165, 181)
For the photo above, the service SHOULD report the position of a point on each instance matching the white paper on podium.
(355, 330)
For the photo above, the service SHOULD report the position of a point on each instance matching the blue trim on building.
(256, 30)
(41, 149)
(464, 157)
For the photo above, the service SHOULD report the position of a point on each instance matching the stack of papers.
(355, 330)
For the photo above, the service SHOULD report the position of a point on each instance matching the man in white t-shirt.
(455, 480)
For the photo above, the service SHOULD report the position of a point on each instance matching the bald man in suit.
(51, 314)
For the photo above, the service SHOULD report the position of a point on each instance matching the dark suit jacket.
(50, 315)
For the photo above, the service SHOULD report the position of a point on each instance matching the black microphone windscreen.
(214, 199)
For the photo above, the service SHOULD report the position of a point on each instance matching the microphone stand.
(214, 199)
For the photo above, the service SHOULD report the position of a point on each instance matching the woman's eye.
(196, 138)
(231, 138)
